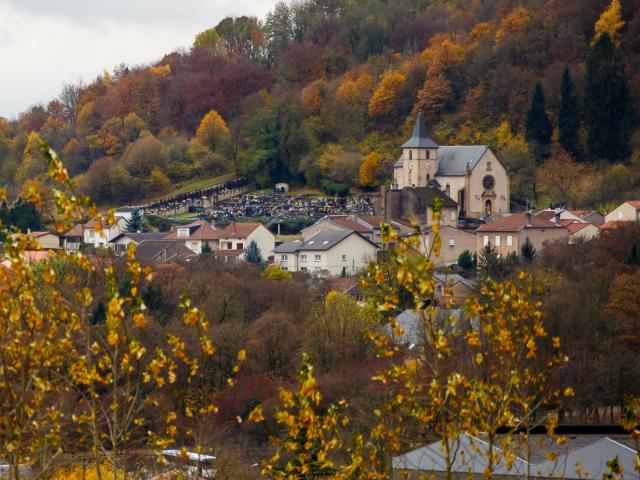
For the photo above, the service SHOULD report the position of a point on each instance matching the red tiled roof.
(581, 213)
(203, 231)
(237, 230)
(634, 203)
(373, 220)
(574, 227)
(75, 231)
(613, 224)
(516, 222)
(40, 234)
(546, 214)
(234, 253)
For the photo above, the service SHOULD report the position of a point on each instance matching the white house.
(629, 211)
(327, 253)
(91, 236)
(195, 235)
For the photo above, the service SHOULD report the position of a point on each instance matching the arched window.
(428, 177)
(488, 166)
(428, 155)
(487, 207)
(447, 190)
(410, 154)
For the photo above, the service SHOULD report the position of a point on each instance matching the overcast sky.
(45, 43)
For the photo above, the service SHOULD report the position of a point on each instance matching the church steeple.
(419, 138)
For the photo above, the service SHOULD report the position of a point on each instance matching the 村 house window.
(183, 232)
(485, 240)
(509, 240)
(452, 242)
(318, 258)
(303, 258)
(240, 246)
(284, 258)
(303, 269)
(497, 240)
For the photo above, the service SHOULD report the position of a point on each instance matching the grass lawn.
(194, 184)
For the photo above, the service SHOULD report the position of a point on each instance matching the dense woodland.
(322, 93)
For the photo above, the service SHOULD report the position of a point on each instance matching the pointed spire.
(420, 138)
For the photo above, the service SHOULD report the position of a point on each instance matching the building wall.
(287, 261)
(476, 199)
(539, 237)
(353, 254)
(585, 234)
(108, 232)
(449, 253)
(418, 170)
(49, 241)
(624, 213)
(265, 239)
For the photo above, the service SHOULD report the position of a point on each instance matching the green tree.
(209, 40)
(568, 114)
(490, 264)
(206, 248)
(538, 125)
(466, 261)
(608, 108)
(254, 255)
(134, 224)
(527, 251)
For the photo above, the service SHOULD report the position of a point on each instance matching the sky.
(46, 43)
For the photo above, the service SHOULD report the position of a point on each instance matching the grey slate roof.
(419, 138)
(453, 159)
(140, 237)
(590, 451)
(323, 240)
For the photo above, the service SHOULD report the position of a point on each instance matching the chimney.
(527, 219)
(556, 218)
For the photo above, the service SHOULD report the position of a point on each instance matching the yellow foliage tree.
(372, 170)
(213, 131)
(610, 22)
(312, 96)
(382, 101)
(515, 22)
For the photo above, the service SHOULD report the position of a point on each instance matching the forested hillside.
(323, 92)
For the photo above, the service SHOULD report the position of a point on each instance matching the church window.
(428, 177)
(488, 182)
(428, 154)
(488, 166)
(447, 190)
(410, 154)
(487, 207)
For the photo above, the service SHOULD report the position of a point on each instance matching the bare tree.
(70, 100)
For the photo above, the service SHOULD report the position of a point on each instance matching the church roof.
(453, 159)
(419, 138)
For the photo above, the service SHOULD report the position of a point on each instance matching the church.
(471, 175)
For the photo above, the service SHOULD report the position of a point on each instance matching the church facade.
(471, 175)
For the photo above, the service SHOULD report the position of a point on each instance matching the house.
(231, 240)
(508, 234)
(161, 251)
(72, 240)
(121, 242)
(91, 235)
(580, 231)
(32, 256)
(349, 286)
(329, 253)
(46, 240)
(366, 225)
(471, 175)
(416, 204)
(453, 241)
(195, 236)
(583, 216)
(451, 287)
(629, 211)
(413, 324)
(542, 457)
(236, 237)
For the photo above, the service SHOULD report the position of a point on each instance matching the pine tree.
(527, 251)
(608, 110)
(134, 224)
(568, 114)
(538, 125)
(254, 255)
(465, 260)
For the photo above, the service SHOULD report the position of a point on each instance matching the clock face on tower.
(488, 182)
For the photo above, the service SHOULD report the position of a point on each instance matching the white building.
(471, 175)
(627, 212)
(327, 253)
(100, 238)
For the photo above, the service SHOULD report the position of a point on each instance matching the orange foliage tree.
(382, 101)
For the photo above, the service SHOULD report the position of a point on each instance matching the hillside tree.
(538, 125)
(568, 115)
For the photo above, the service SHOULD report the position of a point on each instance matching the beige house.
(471, 175)
(195, 235)
(509, 233)
(453, 241)
(627, 212)
(454, 288)
(328, 253)
(580, 231)
(416, 204)
(46, 240)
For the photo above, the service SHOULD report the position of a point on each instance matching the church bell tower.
(419, 156)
